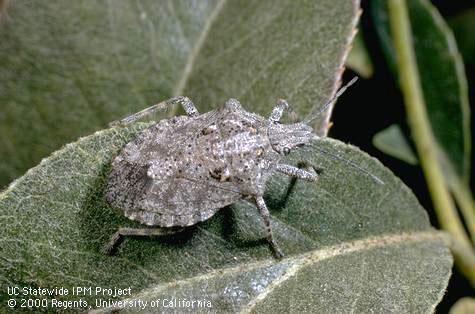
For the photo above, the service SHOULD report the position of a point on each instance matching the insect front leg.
(111, 247)
(278, 110)
(298, 172)
(185, 102)
(261, 205)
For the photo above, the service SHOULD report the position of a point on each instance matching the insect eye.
(286, 150)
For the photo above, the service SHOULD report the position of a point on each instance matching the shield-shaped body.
(182, 170)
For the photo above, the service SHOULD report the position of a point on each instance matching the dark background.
(376, 104)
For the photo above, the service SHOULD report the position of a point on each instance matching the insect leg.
(188, 106)
(185, 102)
(278, 110)
(297, 172)
(111, 247)
(261, 205)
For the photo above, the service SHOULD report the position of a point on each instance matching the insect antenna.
(350, 163)
(315, 115)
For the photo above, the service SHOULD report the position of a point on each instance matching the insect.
(182, 170)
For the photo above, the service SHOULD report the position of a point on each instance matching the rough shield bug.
(182, 170)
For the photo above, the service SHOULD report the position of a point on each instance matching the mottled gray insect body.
(182, 170)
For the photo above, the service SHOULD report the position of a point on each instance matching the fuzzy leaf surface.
(350, 242)
(67, 69)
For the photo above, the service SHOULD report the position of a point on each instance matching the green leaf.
(393, 142)
(443, 80)
(3, 9)
(359, 59)
(67, 69)
(295, 50)
(463, 26)
(445, 96)
(350, 242)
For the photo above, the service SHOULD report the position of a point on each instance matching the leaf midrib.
(195, 52)
(300, 261)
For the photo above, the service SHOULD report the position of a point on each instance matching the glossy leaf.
(463, 26)
(443, 80)
(393, 142)
(359, 59)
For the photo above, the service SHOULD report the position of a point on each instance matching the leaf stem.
(464, 256)
(420, 126)
(464, 199)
